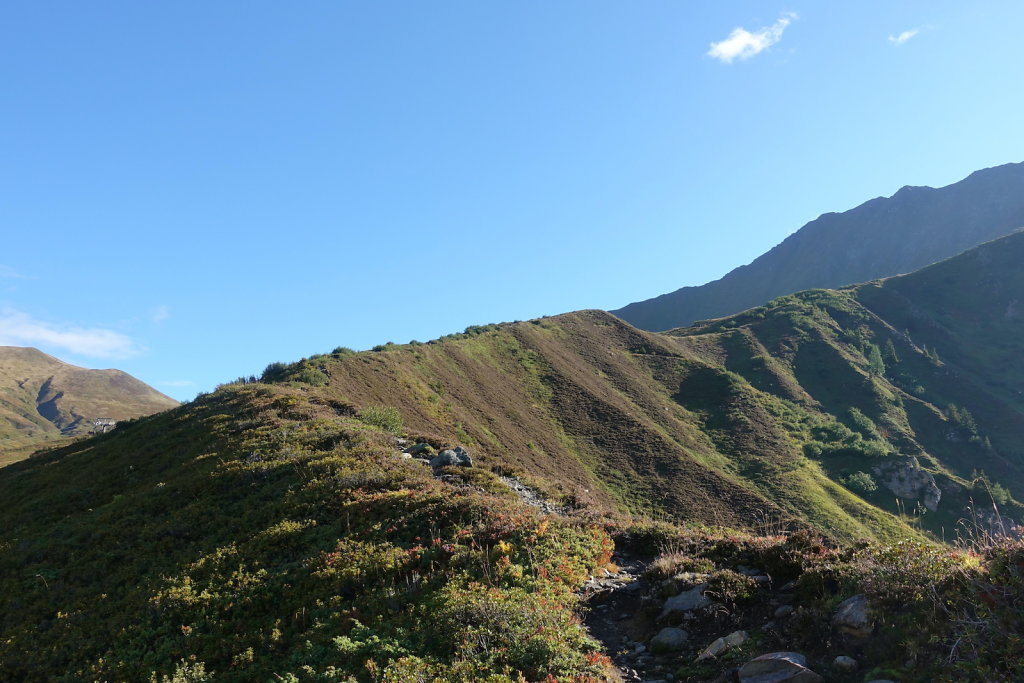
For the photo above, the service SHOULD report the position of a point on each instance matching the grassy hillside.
(882, 237)
(612, 416)
(921, 365)
(43, 399)
(262, 535)
(274, 530)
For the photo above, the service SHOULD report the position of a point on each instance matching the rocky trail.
(731, 624)
(682, 629)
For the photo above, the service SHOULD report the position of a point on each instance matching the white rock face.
(904, 477)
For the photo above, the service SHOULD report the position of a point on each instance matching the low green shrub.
(386, 417)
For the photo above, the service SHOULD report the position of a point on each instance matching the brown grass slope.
(43, 399)
(606, 414)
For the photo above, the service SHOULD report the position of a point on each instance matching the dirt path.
(621, 615)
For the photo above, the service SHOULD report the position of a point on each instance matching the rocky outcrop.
(904, 476)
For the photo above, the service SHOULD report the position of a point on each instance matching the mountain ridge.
(881, 237)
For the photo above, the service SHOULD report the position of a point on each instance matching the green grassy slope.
(947, 390)
(258, 536)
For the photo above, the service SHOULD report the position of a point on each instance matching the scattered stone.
(853, 618)
(669, 640)
(687, 601)
(778, 667)
(783, 611)
(452, 457)
(720, 645)
(844, 663)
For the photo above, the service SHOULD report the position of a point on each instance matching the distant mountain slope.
(43, 398)
(882, 237)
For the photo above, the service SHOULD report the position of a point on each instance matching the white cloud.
(742, 44)
(903, 37)
(177, 383)
(7, 271)
(161, 313)
(21, 329)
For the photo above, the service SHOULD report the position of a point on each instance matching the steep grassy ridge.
(880, 238)
(610, 415)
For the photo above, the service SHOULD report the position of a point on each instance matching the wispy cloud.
(8, 272)
(742, 44)
(161, 313)
(177, 383)
(903, 37)
(21, 329)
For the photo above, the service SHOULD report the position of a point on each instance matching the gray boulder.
(457, 457)
(720, 645)
(853, 618)
(687, 601)
(778, 667)
(669, 640)
(783, 611)
(844, 663)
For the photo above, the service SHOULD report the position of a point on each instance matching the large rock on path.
(778, 667)
(853, 618)
(669, 640)
(687, 601)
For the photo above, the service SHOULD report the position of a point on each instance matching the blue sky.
(189, 191)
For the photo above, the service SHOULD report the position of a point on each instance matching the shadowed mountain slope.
(882, 237)
(43, 398)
